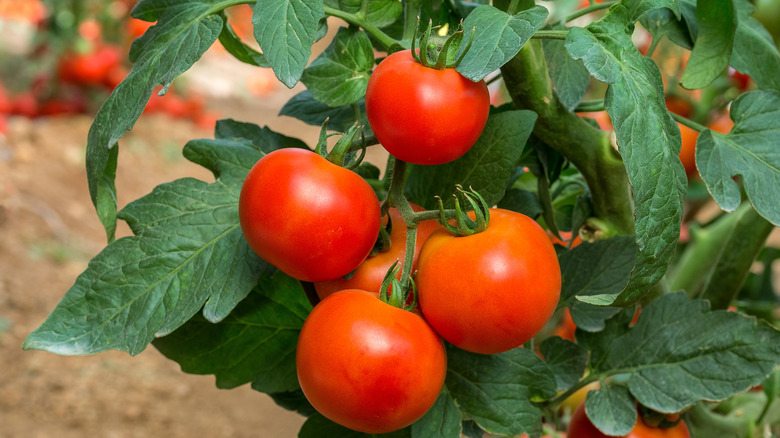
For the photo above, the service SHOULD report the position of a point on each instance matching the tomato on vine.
(424, 115)
(367, 365)
(369, 275)
(310, 218)
(491, 291)
(581, 427)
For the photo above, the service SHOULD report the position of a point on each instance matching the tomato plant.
(581, 427)
(423, 115)
(221, 272)
(492, 291)
(368, 365)
(307, 216)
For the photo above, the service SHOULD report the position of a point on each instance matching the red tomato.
(423, 115)
(310, 218)
(678, 105)
(91, 68)
(601, 117)
(581, 427)
(367, 365)
(566, 235)
(494, 290)
(688, 149)
(24, 104)
(369, 275)
(741, 80)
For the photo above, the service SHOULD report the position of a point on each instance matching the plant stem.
(555, 401)
(590, 106)
(592, 8)
(688, 122)
(527, 78)
(369, 27)
(550, 34)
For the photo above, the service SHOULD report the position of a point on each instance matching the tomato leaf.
(566, 359)
(304, 107)
(317, 426)
(255, 343)
(339, 76)
(380, 13)
(663, 23)
(443, 420)
(755, 53)
(233, 45)
(712, 50)
(498, 37)
(486, 167)
(592, 270)
(150, 284)
(261, 138)
(496, 390)
(611, 409)
(286, 30)
(293, 401)
(648, 141)
(522, 201)
(570, 77)
(750, 151)
(185, 29)
(679, 352)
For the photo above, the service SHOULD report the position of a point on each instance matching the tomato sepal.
(464, 224)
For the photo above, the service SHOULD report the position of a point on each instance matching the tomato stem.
(551, 34)
(592, 8)
(555, 401)
(688, 122)
(386, 40)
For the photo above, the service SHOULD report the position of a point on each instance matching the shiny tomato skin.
(367, 365)
(423, 115)
(581, 427)
(369, 275)
(492, 291)
(310, 218)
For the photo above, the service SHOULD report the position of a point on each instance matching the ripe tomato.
(423, 115)
(494, 290)
(308, 217)
(367, 365)
(369, 275)
(688, 149)
(91, 68)
(581, 427)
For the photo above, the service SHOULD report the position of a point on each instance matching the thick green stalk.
(369, 27)
(527, 78)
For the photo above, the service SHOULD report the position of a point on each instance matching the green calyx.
(465, 225)
(393, 293)
(340, 154)
(439, 50)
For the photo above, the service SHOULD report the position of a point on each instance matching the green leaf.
(611, 409)
(663, 23)
(286, 30)
(255, 343)
(496, 390)
(749, 150)
(498, 37)
(486, 167)
(233, 45)
(679, 353)
(521, 201)
(712, 50)
(570, 77)
(317, 426)
(293, 401)
(755, 53)
(188, 251)
(441, 421)
(304, 107)
(566, 359)
(185, 29)
(261, 138)
(590, 317)
(380, 13)
(339, 76)
(648, 140)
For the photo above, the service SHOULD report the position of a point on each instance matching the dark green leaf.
(339, 76)
(663, 23)
(599, 344)
(521, 201)
(380, 13)
(749, 150)
(648, 140)
(188, 251)
(185, 29)
(496, 390)
(286, 30)
(304, 107)
(233, 45)
(566, 359)
(486, 168)
(262, 138)
(594, 269)
(710, 56)
(293, 401)
(498, 37)
(590, 317)
(255, 343)
(570, 77)
(755, 53)
(318, 426)
(441, 421)
(472, 430)
(679, 353)
(612, 410)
